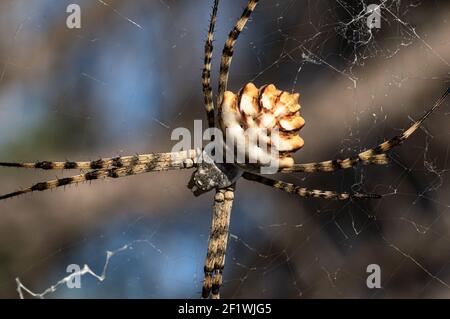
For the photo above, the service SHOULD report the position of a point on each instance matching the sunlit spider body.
(264, 123)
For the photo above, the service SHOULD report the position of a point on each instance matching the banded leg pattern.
(333, 165)
(217, 243)
(304, 192)
(160, 162)
(397, 140)
(206, 74)
(227, 53)
(376, 155)
(123, 161)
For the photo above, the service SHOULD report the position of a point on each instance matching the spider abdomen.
(263, 123)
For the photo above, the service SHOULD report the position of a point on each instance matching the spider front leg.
(206, 74)
(217, 242)
(152, 163)
(104, 163)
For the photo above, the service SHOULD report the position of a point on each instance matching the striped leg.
(333, 165)
(223, 200)
(304, 192)
(227, 53)
(217, 243)
(115, 172)
(124, 161)
(206, 74)
(374, 155)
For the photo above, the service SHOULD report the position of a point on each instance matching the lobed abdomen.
(264, 123)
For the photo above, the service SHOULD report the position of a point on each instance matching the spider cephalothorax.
(210, 175)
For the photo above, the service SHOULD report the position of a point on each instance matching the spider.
(222, 177)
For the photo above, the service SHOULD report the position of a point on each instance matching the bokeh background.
(131, 74)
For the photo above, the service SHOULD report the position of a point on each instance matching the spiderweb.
(130, 75)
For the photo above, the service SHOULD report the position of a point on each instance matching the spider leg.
(336, 164)
(217, 242)
(304, 192)
(374, 155)
(123, 161)
(227, 53)
(223, 200)
(115, 172)
(206, 74)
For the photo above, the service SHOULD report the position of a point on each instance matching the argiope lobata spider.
(247, 107)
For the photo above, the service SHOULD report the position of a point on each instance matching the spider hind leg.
(376, 155)
(217, 243)
(305, 192)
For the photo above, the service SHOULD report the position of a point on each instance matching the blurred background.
(131, 74)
